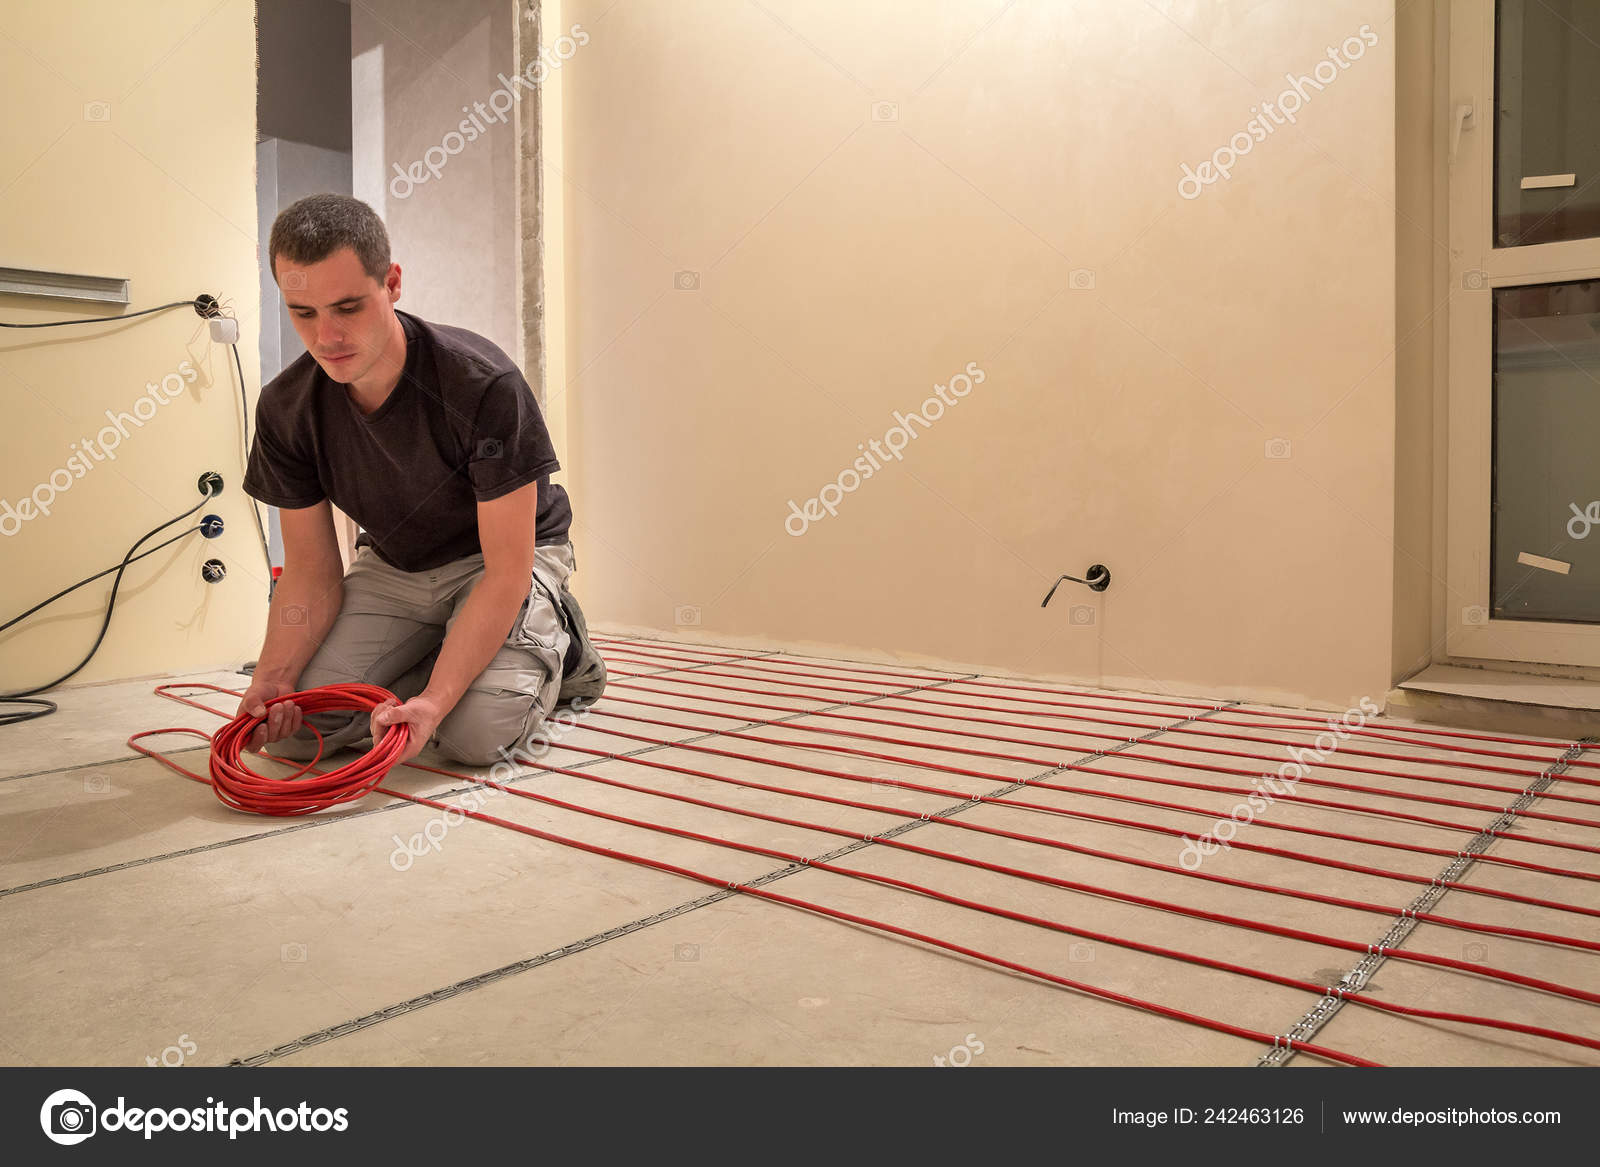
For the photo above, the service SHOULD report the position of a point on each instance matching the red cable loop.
(1275, 1040)
(762, 893)
(1189, 730)
(1079, 733)
(746, 660)
(243, 789)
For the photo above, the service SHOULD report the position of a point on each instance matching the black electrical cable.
(45, 708)
(244, 408)
(98, 575)
(104, 319)
(11, 718)
(35, 707)
(207, 307)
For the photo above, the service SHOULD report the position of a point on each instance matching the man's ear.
(391, 282)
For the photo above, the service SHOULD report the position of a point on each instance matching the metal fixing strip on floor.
(532, 962)
(91, 765)
(1405, 922)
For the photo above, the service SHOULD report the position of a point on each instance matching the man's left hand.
(421, 715)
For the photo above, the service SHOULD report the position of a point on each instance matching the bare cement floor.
(145, 921)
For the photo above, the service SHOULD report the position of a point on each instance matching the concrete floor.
(144, 919)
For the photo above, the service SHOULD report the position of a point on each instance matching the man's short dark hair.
(310, 230)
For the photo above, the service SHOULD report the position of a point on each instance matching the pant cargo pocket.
(541, 622)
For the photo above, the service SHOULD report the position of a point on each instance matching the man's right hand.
(282, 719)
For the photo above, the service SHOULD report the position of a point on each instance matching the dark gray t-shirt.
(461, 427)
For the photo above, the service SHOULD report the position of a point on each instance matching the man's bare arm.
(304, 606)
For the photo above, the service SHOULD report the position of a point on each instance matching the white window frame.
(1476, 268)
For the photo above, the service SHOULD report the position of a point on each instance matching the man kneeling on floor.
(429, 437)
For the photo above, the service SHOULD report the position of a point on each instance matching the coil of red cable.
(243, 789)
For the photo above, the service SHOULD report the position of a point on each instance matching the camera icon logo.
(68, 1117)
(685, 615)
(885, 111)
(1277, 449)
(1081, 953)
(97, 111)
(1476, 953)
(292, 953)
(1475, 615)
(1474, 279)
(490, 448)
(686, 281)
(1081, 615)
(293, 281)
(1081, 279)
(685, 953)
(96, 784)
(294, 614)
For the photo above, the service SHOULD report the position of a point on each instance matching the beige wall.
(160, 191)
(1421, 242)
(849, 262)
(552, 163)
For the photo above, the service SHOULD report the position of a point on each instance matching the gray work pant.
(389, 630)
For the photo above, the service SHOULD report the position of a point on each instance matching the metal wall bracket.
(21, 281)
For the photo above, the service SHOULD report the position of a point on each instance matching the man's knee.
(484, 727)
(338, 730)
(320, 672)
(299, 747)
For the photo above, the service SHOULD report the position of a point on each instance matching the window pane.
(1546, 492)
(1547, 123)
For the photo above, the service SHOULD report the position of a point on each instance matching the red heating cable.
(804, 905)
(1087, 816)
(1174, 832)
(1194, 730)
(1211, 787)
(1300, 717)
(1239, 922)
(1054, 925)
(1424, 820)
(763, 662)
(1133, 798)
(243, 789)
(1423, 778)
(1191, 730)
(1595, 945)
(1057, 844)
(1356, 997)
(1143, 901)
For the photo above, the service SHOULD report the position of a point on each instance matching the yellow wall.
(848, 262)
(850, 255)
(552, 160)
(161, 191)
(1421, 323)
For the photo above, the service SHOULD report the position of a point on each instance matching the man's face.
(342, 314)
